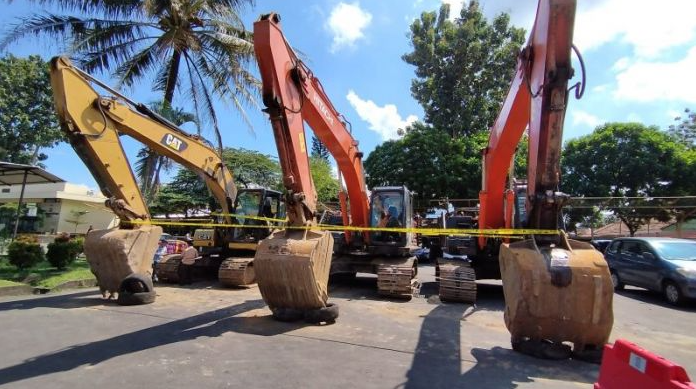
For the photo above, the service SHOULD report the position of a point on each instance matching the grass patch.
(70, 275)
(9, 283)
(44, 275)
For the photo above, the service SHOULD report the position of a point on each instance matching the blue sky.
(641, 58)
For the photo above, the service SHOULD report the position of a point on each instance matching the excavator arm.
(293, 96)
(93, 124)
(537, 100)
(556, 289)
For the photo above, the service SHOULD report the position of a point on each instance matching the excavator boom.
(293, 95)
(93, 124)
(556, 290)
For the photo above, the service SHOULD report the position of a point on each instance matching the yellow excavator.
(121, 258)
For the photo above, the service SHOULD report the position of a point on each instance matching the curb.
(17, 290)
(85, 283)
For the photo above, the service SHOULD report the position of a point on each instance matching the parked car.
(666, 265)
(600, 244)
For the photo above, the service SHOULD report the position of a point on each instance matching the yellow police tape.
(498, 232)
(240, 216)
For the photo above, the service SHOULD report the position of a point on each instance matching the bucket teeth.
(235, 272)
(396, 281)
(457, 283)
(168, 268)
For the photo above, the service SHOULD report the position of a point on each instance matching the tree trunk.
(171, 78)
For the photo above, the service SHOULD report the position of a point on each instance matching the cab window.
(614, 247)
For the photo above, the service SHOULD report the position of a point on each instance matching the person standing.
(161, 251)
(188, 259)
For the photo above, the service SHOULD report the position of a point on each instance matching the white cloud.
(673, 114)
(647, 81)
(384, 120)
(600, 88)
(634, 117)
(347, 23)
(649, 27)
(455, 7)
(582, 117)
(622, 64)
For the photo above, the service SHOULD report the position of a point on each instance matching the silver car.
(666, 265)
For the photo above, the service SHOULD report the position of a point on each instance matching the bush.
(79, 245)
(24, 252)
(63, 251)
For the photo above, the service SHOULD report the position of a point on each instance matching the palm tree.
(149, 164)
(197, 47)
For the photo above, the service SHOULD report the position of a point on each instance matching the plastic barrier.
(625, 365)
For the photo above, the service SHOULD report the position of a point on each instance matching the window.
(630, 248)
(614, 247)
(5, 190)
(643, 249)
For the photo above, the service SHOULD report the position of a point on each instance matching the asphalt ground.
(206, 337)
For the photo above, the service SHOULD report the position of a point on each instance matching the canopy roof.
(13, 174)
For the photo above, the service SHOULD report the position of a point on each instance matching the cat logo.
(174, 143)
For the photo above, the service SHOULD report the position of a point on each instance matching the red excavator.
(556, 290)
(292, 96)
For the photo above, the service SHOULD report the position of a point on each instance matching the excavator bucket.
(557, 294)
(292, 269)
(116, 253)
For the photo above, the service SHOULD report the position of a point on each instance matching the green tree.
(185, 195)
(685, 128)
(326, 185)
(463, 67)
(28, 121)
(149, 164)
(428, 162)
(199, 47)
(187, 192)
(319, 149)
(624, 160)
(251, 168)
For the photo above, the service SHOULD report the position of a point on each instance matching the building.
(687, 229)
(58, 207)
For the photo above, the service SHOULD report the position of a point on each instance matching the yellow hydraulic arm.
(93, 124)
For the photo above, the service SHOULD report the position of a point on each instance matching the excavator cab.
(259, 204)
(390, 207)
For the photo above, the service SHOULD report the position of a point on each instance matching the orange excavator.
(556, 290)
(299, 259)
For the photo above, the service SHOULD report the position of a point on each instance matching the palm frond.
(52, 26)
(207, 100)
(139, 64)
(119, 8)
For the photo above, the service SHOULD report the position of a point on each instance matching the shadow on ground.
(82, 299)
(208, 324)
(656, 298)
(438, 361)
(361, 287)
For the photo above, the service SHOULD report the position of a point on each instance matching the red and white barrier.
(625, 365)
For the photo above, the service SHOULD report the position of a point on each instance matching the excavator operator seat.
(390, 207)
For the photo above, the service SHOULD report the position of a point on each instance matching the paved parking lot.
(202, 336)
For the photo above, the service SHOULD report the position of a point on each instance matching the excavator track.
(168, 268)
(457, 282)
(236, 272)
(397, 281)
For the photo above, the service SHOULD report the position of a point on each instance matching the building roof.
(686, 225)
(620, 229)
(13, 174)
